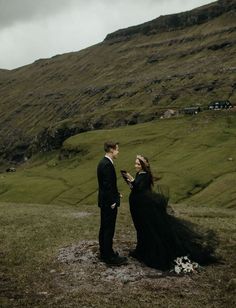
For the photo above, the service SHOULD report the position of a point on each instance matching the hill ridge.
(176, 21)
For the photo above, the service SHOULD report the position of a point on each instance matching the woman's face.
(137, 165)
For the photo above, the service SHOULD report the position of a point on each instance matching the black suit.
(107, 195)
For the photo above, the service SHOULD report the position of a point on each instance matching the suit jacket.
(107, 184)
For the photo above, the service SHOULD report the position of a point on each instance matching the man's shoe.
(115, 260)
(102, 257)
(115, 253)
(134, 254)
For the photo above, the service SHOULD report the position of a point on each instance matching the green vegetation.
(194, 156)
(114, 83)
(40, 206)
(31, 236)
(50, 201)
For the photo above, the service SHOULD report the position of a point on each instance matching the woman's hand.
(129, 177)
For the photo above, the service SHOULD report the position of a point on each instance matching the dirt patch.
(83, 270)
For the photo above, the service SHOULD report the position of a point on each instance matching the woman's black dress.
(161, 237)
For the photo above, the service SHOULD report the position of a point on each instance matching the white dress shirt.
(109, 159)
(114, 204)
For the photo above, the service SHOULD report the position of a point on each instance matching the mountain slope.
(119, 81)
(176, 21)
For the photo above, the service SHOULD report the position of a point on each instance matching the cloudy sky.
(33, 29)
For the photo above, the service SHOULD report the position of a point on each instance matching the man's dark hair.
(110, 145)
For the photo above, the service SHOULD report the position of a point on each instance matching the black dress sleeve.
(141, 183)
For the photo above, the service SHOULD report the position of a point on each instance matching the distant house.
(169, 113)
(218, 105)
(191, 110)
(11, 169)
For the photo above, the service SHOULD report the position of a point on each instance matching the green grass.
(39, 204)
(195, 157)
(32, 234)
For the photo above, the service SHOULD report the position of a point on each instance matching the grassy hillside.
(194, 156)
(63, 109)
(118, 82)
(54, 214)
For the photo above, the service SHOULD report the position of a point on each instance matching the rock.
(52, 271)
(220, 46)
(53, 137)
(92, 91)
(153, 58)
(156, 99)
(43, 293)
(230, 159)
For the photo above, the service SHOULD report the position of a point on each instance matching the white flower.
(189, 266)
(184, 265)
(178, 261)
(177, 269)
(186, 258)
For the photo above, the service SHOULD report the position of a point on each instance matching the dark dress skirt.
(162, 237)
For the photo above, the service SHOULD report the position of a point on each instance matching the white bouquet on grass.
(184, 265)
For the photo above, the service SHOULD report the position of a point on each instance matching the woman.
(161, 237)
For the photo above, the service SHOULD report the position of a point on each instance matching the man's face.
(115, 152)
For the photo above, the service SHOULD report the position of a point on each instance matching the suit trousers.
(107, 231)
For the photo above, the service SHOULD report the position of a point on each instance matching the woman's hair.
(146, 167)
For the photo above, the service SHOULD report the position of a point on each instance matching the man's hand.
(113, 206)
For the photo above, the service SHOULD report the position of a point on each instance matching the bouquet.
(184, 265)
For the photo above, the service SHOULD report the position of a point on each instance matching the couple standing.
(161, 237)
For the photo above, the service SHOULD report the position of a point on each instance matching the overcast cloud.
(33, 29)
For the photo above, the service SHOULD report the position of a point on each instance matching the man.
(108, 201)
